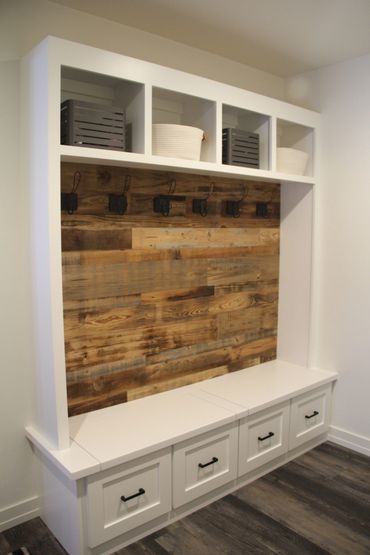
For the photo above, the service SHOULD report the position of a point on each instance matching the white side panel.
(295, 272)
(42, 180)
(61, 507)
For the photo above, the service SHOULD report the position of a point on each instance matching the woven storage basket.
(291, 160)
(177, 141)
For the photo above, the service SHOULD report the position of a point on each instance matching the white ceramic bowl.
(291, 160)
(177, 141)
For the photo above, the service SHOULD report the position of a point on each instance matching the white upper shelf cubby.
(251, 147)
(148, 93)
(183, 109)
(298, 137)
(87, 89)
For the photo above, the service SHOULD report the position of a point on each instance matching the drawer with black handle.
(127, 496)
(263, 436)
(204, 463)
(310, 415)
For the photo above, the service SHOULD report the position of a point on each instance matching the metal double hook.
(162, 204)
(69, 201)
(233, 206)
(118, 203)
(200, 205)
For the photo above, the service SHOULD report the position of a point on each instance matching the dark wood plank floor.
(317, 504)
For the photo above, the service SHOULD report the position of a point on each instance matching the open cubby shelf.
(297, 136)
(151, 96)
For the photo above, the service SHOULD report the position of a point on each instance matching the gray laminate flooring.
(317, 504)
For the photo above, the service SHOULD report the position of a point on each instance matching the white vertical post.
(41, 74)
(295, 272)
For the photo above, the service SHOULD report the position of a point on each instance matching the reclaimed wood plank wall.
(152, 302)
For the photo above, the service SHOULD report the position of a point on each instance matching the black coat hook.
(232, 207)
(200, 205)
(118, 203)
(162, 204)
(69, 201)
(262, 208)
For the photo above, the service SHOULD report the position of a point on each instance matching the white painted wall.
(17, 475)
(24, 23)
(342, 339)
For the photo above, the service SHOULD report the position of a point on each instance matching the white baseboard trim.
(18, 513)
(358, 443)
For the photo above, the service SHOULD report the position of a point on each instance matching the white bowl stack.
(177, 141)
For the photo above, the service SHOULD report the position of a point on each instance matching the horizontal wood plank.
(179, 238)
(80, 239)
(114, 346)
(127, 279)
(160, 386)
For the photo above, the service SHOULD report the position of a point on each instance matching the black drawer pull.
(315, 413)
(213, 461)
(270, 434)
(140, 492)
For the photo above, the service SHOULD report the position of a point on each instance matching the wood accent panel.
(151, 302)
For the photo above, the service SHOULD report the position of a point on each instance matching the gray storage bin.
(240, 148)
(92, 125)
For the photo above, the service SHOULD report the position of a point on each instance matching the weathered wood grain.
(152, 302)
(180, 238)
(241, 270)
(133, 342)
(165, 385)
(233, 341)
(231, 252)
(218, 356)
(106, 257)
(86, 239)
(106, 303)
(175, 295)
(257, 317)
(136, 277)
(90, 323)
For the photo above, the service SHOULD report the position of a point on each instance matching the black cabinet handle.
(213, 461)
(270, 434)
(315, 413)
(140, 492)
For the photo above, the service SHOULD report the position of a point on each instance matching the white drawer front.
(123, 498)
(263, 436)
(204, 463)
(310, 415)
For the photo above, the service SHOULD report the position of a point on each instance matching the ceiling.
(283, 37)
